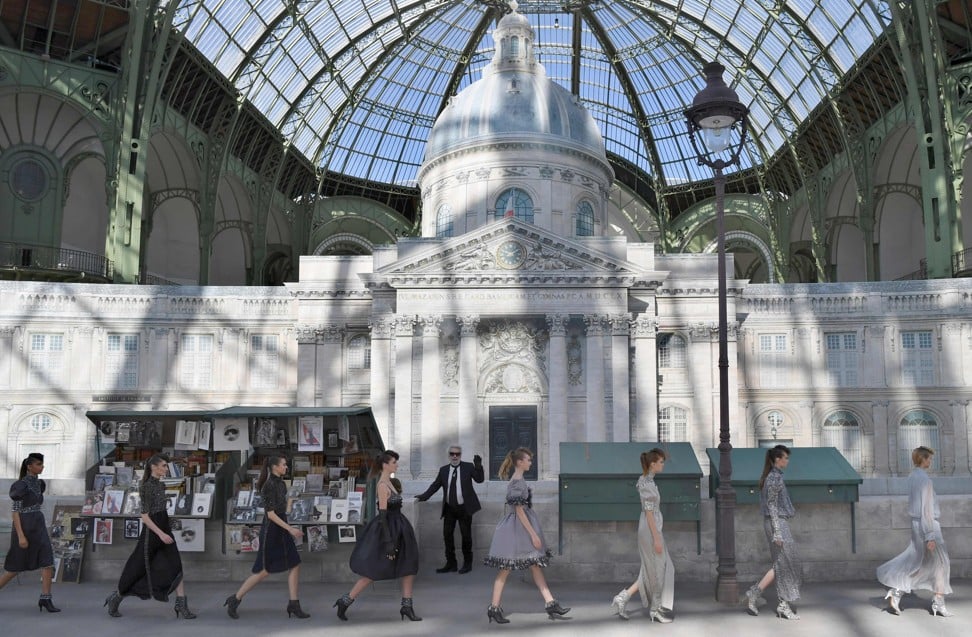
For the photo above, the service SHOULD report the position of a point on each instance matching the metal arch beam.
(478, 34)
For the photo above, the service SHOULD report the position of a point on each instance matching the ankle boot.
(784, 611)
(495, 613)
(231, 604)
(752, 600)
(619, 602)
(894, 601)
(182, 609)
(113, 602)
(46, 603)
(408, 611)
(554, 609)
(656, 615)
(938, 607)
(343, 603)
(293, 608)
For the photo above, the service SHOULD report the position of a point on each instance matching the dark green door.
(511, 427)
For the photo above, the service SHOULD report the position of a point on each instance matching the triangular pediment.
(509, 251)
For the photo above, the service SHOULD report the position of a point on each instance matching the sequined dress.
(512, 547)
(656, 579)
(777, 509)
(27, 495)
(154, 569)
(916, 567)
(369, 559)
(278, 551)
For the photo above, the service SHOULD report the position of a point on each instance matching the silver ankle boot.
(894, 601)
(784, 611)
(938, 607)
(752, 600)
(619, 602)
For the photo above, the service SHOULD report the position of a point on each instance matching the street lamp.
(717, 116)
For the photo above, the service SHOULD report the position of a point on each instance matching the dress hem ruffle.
(518, 564)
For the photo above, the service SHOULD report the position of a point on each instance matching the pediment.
(509, 251)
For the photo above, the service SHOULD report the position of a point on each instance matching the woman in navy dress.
(518, 539)
(30, 546)
(278, 549)
(154, 569)
(387, 548)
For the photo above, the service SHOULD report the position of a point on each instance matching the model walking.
(656, 580)
(154, 569)
(387, 548)
(278, 549)
(777, 509)
(30, 546)
(518, 539)
(924, 564)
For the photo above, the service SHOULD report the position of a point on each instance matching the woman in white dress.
(924, 564)
(656, 580)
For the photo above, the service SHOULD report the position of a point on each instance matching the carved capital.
(330, 334)
(306, 335)
(430, 325)
(468, 324)
(620, 324)
(381, 327)
(595, 324)
(404, 325)
(557, 324)
(643, 326)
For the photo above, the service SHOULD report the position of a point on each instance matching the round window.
(41, 423)
(28, 180)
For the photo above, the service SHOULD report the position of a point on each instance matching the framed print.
(103, 530)
(347, 533)
(311, 430)
(133, 528)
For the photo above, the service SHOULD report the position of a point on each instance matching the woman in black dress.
(30, 547)
(387, 548)
(278, 551)
(154, 569)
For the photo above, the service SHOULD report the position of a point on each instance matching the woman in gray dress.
(518, 539)
(777, 509)
(656, 580)
(30, 546)
(924, 564)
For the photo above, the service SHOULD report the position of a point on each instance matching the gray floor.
(454, 605)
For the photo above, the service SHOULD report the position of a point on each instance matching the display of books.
(297, 487)
(347, 533)
(297, 510)
(171, 497)
(183, 504)
(316, 538)
(257, 503)
(339, 511)
(244, 497)
(103, 481)
(93, 502)
(133, 528)
(103, 529)
(201, 503)
(124, 476)
(314, 482)
(243, 514)
(322, 503)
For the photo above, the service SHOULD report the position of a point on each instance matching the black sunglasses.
(455, 453)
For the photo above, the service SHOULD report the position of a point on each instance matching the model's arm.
(154, 528)
(522, 517)
(21, 538)
(774, 488)
(927, 495)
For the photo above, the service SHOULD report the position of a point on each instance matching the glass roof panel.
(356, 84)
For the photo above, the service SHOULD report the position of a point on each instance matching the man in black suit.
(458, 505)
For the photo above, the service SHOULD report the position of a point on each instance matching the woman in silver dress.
(656, 580)
(518, 539)
(924, 564)
(777, 509)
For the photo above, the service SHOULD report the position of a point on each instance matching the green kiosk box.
(597, 483)
(815, 475)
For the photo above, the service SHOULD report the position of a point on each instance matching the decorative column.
(960, 460)
(883, 449)
(330, 367)
(380, 377)
(644, 426)
(306, 365)
(557, 425)
(402, 425)
(620, 379)
(595, 378)
(470, 431)
(431, 441)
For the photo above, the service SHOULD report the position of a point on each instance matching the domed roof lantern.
(514, 38)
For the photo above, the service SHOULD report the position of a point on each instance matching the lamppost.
(717, 115)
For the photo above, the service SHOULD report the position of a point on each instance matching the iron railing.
(37, 257)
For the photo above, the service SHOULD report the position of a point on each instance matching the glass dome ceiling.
(356, 85)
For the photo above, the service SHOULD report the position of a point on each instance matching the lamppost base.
(727, 589)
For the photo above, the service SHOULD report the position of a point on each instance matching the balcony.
(29, 262)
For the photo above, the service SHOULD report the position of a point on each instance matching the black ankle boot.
(554, 609)
(408, 611)
(231, 604)
(45, 603)
(343, 604)
(182, 609)
(113, 602)
(495, 613)
(294, 609)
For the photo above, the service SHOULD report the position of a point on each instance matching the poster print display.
(68, 546)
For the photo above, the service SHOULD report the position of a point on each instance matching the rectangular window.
(196, 361)
(917, 359)
(46, 360)
(121, 361)
(842, 357)
(672, 425)
(772, 360)
(264, 361)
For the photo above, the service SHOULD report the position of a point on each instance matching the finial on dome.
(514, 5)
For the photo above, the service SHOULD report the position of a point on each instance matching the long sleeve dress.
(27, 495)
(777, 509)
(278, 551)
(916, 567)
(656, 579)
(154, 569)
(512, 548)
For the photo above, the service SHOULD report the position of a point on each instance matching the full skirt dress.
(369, 559)
(38, 554)
(278, 551)
(154, 569)
(511, 547)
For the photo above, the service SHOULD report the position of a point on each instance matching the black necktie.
(453, 500)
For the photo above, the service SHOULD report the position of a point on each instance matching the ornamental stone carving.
(595, 324)
(512, 379)
(557, 324)
(512, 341)
(575, 368)
(643, 326)
(430, 325)
(331, 334)
(468, 324)
(620, 324)
(404, 325)
(475, 257)
(449, 359)
(381, 327)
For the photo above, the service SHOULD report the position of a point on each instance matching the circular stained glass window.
(28, 180)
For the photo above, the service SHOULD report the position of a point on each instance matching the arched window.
(917, 428)
(584, 226)
(443, 222)
(514, 46)
(359, 352)
(841, 430)
(515, 202)
(41, 423)
(671, 351)
(672, 425)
